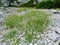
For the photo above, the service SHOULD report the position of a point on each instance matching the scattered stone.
(1, 40)
(55, 11)
(53, 36)
(4, 43)
(31, 44)
(0, 43)
(1, 13)
(35, 43)
(58, 32)
(59, 43)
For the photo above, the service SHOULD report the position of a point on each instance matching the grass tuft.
(31, 23)
(10, 34)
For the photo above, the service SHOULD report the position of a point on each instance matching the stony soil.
(50, 37)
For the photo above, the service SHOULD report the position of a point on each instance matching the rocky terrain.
(50, 37)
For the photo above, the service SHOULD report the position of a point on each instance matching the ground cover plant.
(20, 9)
(32, 23)
(46, 4)
(58, 9)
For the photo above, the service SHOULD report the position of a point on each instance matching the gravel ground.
(50, 37)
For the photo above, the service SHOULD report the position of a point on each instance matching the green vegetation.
(58, 9)
(57, 3)
(43, 4)
(29, 4)
(12, 20)
(31, 23)
(1, 4)
(29, 37)
(46, 4)
(49, 4)
(10, 34)
(23, 9)
(16, 41)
